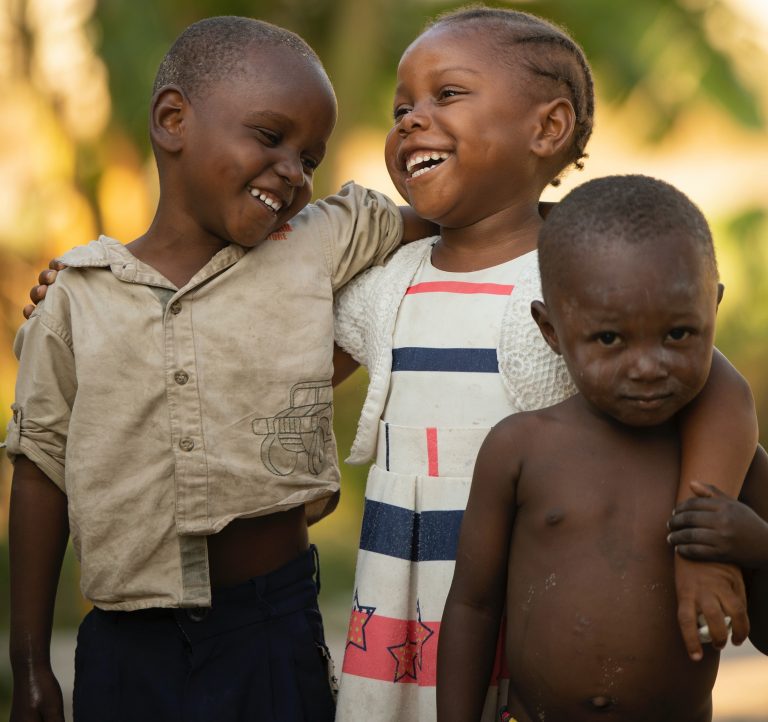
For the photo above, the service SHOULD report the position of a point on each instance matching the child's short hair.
(213, 49)
(547, 52)
(630, 209)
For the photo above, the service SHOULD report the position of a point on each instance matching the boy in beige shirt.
(173, 406)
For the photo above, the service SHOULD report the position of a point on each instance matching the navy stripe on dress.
(405, 534)
(418, 358)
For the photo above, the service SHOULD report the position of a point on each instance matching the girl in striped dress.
(490, 107)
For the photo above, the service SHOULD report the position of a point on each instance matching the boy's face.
(636, 334)
(253, 143)
(459, 148)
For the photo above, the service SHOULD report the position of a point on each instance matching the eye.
(310, 163)
(446, 93)
(400, 111)
(268, 137)
(607, 338)
(679, 334)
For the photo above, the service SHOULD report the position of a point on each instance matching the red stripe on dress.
(494, 289)
(402, 651)
(432, 468)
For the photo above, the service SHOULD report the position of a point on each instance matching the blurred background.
(682, 95)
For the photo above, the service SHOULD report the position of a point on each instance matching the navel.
(554, 516)
(601, 703)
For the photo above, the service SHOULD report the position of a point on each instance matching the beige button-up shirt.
(165, 413)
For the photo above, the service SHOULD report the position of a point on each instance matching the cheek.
(591, 370)
(302, 197)
(693, 370)
(390, 158)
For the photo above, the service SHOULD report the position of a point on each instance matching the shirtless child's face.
(635, 325)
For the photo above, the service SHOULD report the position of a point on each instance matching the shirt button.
(186, 444)
(181, 377)
(176, 307)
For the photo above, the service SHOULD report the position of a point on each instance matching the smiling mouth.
(422, 161)
(270, 201)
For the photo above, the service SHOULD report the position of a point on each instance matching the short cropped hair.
(547, 51)
(213, 49)
(629, 209)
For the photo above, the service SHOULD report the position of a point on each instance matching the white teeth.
(273, 203)
(422, 171)
(422, 156)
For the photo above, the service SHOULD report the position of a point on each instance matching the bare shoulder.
(754, 493)
(530, 425)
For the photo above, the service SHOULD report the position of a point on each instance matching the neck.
(489, 241)
(176, 254)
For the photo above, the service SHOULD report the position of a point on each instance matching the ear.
(554, 130)
(170, 108)
(540, 314)
(720, 291)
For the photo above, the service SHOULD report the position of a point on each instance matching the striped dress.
(445, 394)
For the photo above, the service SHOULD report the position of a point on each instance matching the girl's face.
(460, 148)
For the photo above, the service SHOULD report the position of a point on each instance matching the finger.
(47, 277)
(27, 310)
(714, 618)
(697, 503)
(686, 619)
(693, 518)
(698, 552)
(56, 265)
(739, 628)
(706, 490)
(37, 293)
(734, 605)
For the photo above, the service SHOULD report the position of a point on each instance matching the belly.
(589, 639)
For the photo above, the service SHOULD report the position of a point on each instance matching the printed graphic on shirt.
(281, 233)
(303, 430)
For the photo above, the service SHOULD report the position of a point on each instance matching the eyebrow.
(257, 115)
(442, 71)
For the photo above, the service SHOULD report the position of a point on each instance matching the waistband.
(431, 451)
(289, 589)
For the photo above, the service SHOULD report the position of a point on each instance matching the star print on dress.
(360, 616)
(419, 633)
(405, 658)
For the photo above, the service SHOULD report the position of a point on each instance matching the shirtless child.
(566, 521)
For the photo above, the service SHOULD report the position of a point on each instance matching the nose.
(648, 364)
(416, 118)
(290, 168)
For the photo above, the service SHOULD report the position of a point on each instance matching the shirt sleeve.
(363, 226)
(45, 393)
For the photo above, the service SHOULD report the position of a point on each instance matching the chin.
(645, 420)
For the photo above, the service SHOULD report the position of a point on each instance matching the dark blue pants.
(258, 654)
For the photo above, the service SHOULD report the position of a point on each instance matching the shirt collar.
(109, 253)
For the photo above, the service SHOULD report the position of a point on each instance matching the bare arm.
(719, 433)
(470, 627)
(38, 531)
(415, 227)
(343, 365)
(714, 527)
